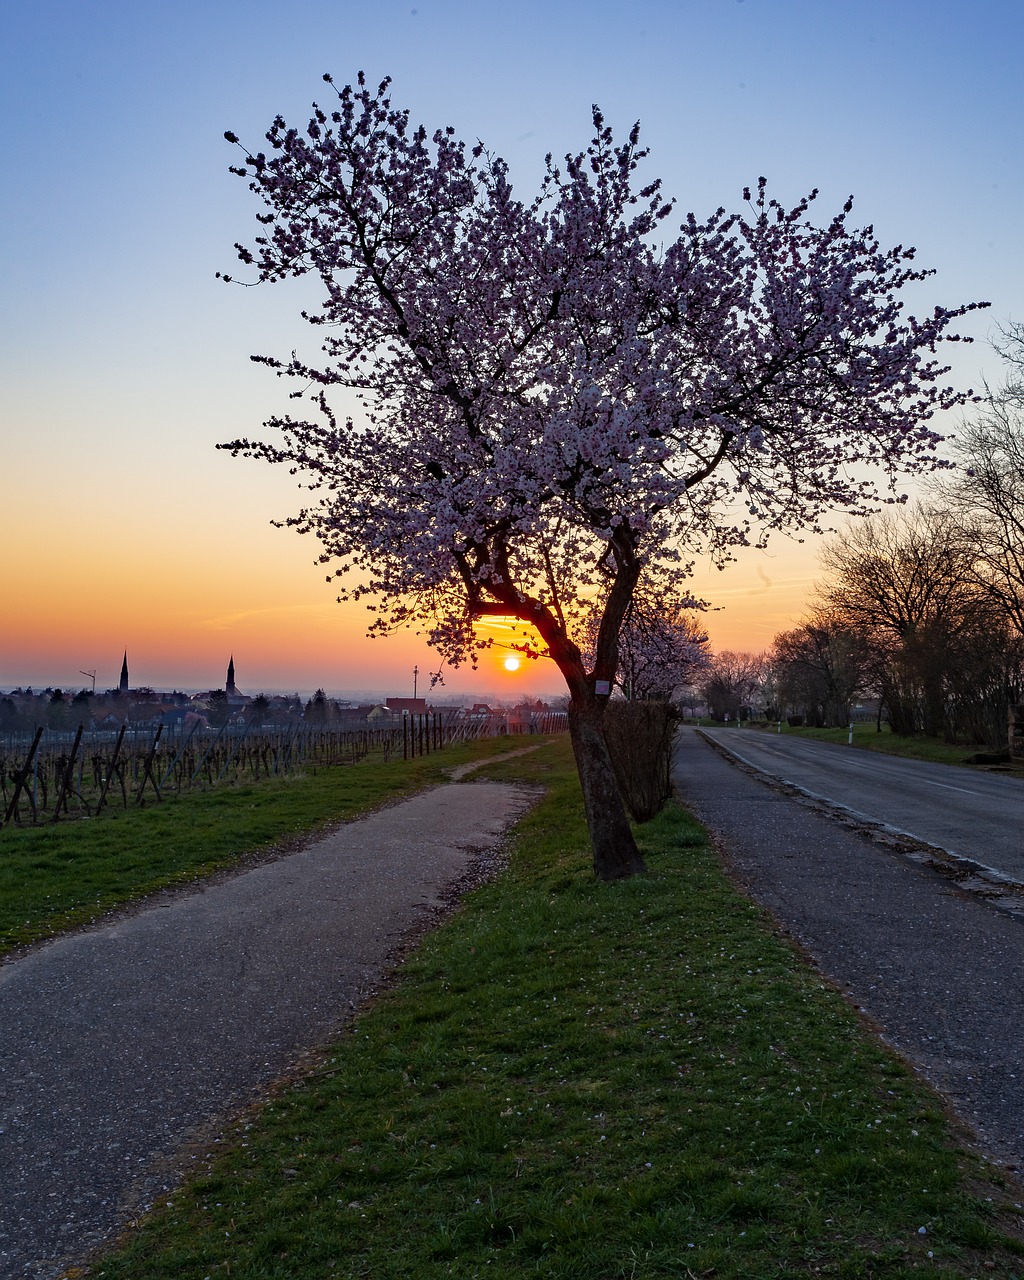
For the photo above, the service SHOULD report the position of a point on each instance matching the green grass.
(54, 877)
(867, 737)
(587, 1081)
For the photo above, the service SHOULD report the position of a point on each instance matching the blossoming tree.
(561, 395)
(661, 643)
(660, 649)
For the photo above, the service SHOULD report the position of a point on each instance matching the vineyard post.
(68, 777)
(231, 755)
(110, 770)
(147, 772)
(180, 752)
(292, 752)
(199, 766)
(21, 778)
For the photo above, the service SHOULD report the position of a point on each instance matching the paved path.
(119, 1044)
(938, 968)
(969, 814)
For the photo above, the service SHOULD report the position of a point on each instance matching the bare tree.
(730, 683)
(821, 666)
(662, 642)
(906, 581)
(986, 492)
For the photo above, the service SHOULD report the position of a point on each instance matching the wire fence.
(49, 775)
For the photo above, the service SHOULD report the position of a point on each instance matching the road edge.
(999, 889)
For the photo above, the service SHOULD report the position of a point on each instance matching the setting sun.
(511, 663)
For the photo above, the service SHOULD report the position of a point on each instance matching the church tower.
(123, 686)
(229, 687)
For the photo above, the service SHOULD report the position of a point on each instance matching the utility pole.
(415, 676)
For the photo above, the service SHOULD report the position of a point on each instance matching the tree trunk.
(615, 851)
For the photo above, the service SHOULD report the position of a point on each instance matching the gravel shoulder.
(934, 964)
(124, 1043)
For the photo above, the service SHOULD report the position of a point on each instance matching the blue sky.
(124, 360)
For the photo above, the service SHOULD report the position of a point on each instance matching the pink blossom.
(559, 392)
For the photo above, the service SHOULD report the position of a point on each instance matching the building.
(414, 706)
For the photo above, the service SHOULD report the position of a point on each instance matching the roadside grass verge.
(867, 737)
(585, 1081)
(56, 877)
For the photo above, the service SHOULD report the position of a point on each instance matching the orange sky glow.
(182, 597)
(124, 360)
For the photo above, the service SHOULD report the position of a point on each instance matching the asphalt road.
(120, 1045)
(936, 967)
(966, 813)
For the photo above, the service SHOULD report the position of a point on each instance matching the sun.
(511, 663)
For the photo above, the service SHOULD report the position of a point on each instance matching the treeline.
(920, 611)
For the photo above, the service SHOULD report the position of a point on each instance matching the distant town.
(24, 709)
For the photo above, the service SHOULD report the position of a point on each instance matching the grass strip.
(586, 1081)
(868, 738)
(55, 877)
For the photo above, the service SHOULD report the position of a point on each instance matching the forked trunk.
(615, 851)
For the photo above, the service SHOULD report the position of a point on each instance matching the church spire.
(123, 686)
(229, 687)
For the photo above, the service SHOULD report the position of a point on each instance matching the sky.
(124, 361)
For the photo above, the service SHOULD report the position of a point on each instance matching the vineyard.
(52, 775)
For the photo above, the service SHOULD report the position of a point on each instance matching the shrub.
(639, 736)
